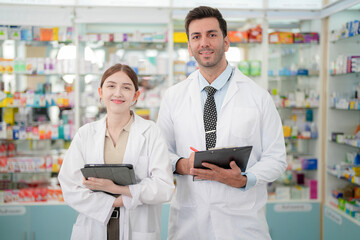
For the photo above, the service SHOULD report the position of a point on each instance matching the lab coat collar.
(135, 141)
(237, 77)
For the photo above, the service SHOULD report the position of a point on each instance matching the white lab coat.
(141, 217)
(248, 117)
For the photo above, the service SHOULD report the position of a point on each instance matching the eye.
(195, 37)
(110, 86)
(212, 35)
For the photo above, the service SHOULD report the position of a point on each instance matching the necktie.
(210, 118)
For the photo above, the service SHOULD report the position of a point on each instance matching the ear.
(227, 43)
(189, 49)
(136, 95)
(100, 92)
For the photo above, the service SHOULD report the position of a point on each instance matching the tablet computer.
(223, 156)
(120, 174)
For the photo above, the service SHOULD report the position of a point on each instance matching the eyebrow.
(113, 82)
(210, 31)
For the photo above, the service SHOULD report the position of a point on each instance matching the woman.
(120, 137)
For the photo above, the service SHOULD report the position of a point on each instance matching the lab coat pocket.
(80, 232)
(241, 200)
(187, 190)
(141, 168)
(144, 236)
(243, 122)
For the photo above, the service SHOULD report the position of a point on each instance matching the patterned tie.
(210, 118)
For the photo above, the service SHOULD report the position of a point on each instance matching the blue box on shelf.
(302, 72)
(309, 163)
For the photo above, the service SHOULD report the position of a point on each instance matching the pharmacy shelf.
(343, 214)
(346, 144)
(294, 201)
(45, 203)
(350, 39)
(344, 109)
(355, 74)
(333, 173)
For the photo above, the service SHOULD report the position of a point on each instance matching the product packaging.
(281, 37)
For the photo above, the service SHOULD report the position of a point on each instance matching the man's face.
(206, 42)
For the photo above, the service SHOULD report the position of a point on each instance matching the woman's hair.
(121, 68)
(205, 12)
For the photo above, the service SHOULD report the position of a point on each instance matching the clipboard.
(223, 156)
(120, 174)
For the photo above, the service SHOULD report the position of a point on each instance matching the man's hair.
(205, 12)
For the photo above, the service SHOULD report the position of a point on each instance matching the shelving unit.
(342, 117)
(36, 116)
(165, 16)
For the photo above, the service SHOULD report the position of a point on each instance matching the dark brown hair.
(205, 12)
(121, 68)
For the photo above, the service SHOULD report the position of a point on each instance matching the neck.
(211, 73)
(117, 121)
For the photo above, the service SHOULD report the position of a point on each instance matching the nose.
(118, 91)
(204, 42)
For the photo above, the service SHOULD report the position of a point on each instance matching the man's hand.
(184, 165)
(231, 177)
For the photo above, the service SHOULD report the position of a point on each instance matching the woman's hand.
(106, 185)
(118, 202)
(101, 184)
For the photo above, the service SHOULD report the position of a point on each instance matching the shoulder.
(177, 90)
(147, 128)
(250, 86)
(89, 129)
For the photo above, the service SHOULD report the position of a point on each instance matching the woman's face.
(118, 93)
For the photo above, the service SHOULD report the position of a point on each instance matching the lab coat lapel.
(196, 110)
(99, 140)
(233, 88)
(136, 140)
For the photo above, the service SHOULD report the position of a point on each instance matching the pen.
(193, 149)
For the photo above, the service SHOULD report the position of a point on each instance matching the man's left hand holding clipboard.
(232, 177)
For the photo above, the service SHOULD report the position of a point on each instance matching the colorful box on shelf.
(313, 187)
(255, 34)
(337, 193)
(238, 36)
(306, 37)
(180, 37)
(250, 67)
(308, 163)
(28, 195)
(281, 37)
(37, 132)
(283, 193)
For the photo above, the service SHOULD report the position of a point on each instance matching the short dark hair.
(121, 68)
(205, 12)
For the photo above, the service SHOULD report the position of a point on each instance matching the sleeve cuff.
(251, 181)
(134, 201)
(174, 165)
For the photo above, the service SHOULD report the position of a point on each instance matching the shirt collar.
(219, 82)
(126, 127)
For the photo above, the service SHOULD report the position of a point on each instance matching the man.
(226, 204)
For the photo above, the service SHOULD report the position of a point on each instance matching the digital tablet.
(120, 174)
(223, 156)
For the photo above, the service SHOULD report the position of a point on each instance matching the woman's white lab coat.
(141, 217)
(248, 117)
